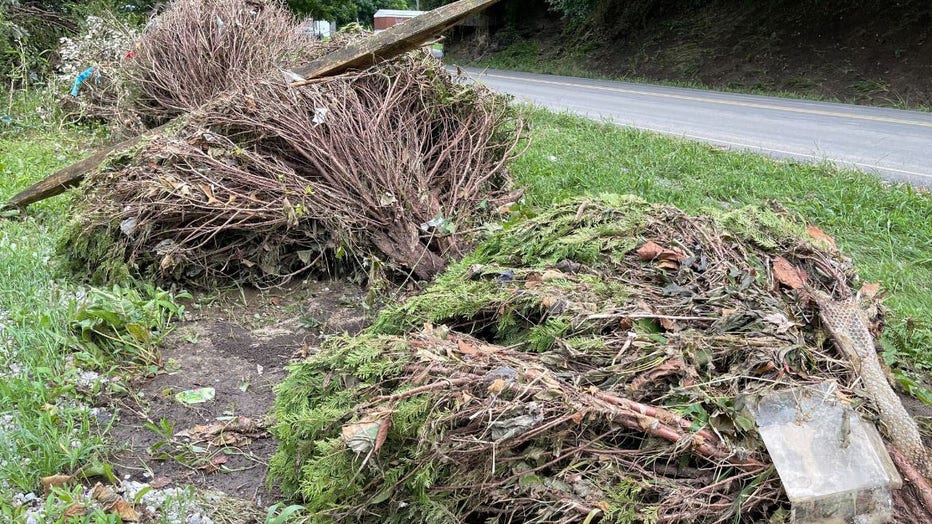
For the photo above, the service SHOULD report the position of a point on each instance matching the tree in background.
(30, 31)
(344, 11)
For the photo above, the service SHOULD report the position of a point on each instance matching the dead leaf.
(466, 348)
(497, 386)
(787, 274)
(649, 251)
(114, 503)
(160, 482)
(870, 290)
(652, 251)
(54, 481)
(577, 417)
(214, 464)
(209, 192)
(552, 274)
(230, 439)
(384, 425)
(76, 509)
(817, 234)
(367, 435)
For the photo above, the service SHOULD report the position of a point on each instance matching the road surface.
(892, 143)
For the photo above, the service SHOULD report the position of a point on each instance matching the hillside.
(857, 51)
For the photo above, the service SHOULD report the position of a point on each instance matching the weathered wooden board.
(392, 42)
(71, 176)
(404, 37)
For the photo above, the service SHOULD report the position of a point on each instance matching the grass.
(62, 345)
(46, 426)
(885, 229)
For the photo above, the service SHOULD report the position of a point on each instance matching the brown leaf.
(123, 509)
(54, 481)
(466, 348)
(160, 482)
(209, 193)
(113, 503)
(497, 385)
(668, 264)
(231, 439)
(649, 251)
(577, 417)
(870, 290)
(787, 274)
(384, 425)
(817, 234)
(76, 509)
(214, 464)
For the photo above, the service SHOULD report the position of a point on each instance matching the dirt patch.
(238, 345)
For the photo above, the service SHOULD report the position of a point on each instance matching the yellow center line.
(755, 105)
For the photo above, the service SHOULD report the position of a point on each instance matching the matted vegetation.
(259, 181)
(593, 360)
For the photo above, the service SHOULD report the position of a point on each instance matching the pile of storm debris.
(605, 360)
(251, 177)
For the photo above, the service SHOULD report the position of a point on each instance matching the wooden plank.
(404, 37)
(71, 176)
(392, 42)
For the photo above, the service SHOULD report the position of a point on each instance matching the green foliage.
(318, 398)
(365, 9)
(30, 33)
(761, 226)
(884, 228)
(339, 11)
(50, 373)
(345, 11)
(555, 234)
(126, 321)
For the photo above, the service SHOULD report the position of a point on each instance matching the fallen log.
(392, 42)
(71, 176)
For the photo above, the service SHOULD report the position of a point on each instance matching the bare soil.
(239, 345)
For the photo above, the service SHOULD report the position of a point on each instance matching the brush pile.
(591, 363)
(259, 180)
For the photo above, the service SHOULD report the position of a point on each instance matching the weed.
(129, 322)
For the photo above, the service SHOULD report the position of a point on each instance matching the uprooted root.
(397, 162)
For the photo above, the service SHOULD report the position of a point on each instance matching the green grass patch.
(60, 342)
(885, 229)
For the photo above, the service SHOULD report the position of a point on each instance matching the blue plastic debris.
(87, 73)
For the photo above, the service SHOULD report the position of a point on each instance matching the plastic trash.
(195, 396)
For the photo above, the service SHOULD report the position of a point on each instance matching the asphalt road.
(894, 144)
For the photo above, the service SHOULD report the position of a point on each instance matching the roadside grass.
(63, 346)
(885, 229)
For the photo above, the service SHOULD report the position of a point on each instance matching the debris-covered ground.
(593, 361)
(238, 351)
